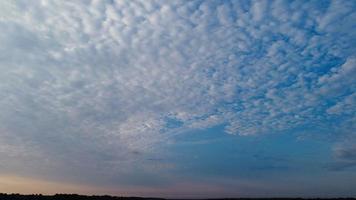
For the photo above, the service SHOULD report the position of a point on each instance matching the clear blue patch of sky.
(214, 153)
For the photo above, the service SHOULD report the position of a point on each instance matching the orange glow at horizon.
(26, 185)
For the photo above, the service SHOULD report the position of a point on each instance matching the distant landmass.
(4, 196)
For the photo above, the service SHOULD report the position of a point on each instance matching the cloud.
(86, 82)
(344, 154)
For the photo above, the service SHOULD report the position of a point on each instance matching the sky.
(178, 99)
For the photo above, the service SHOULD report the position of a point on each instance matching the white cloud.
(102, 78)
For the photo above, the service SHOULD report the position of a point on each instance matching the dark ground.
(106, 197)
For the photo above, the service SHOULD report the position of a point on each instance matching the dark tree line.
(107, 197)
(67, 197)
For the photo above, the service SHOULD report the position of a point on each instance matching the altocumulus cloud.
(101, 82)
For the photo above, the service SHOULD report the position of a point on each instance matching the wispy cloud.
(345, 155)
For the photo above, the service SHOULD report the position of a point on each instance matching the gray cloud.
(344, 154)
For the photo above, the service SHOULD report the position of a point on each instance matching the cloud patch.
(345, 155)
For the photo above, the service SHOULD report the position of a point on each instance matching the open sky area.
(178, 99)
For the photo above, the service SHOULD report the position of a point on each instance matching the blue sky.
(178, 98)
